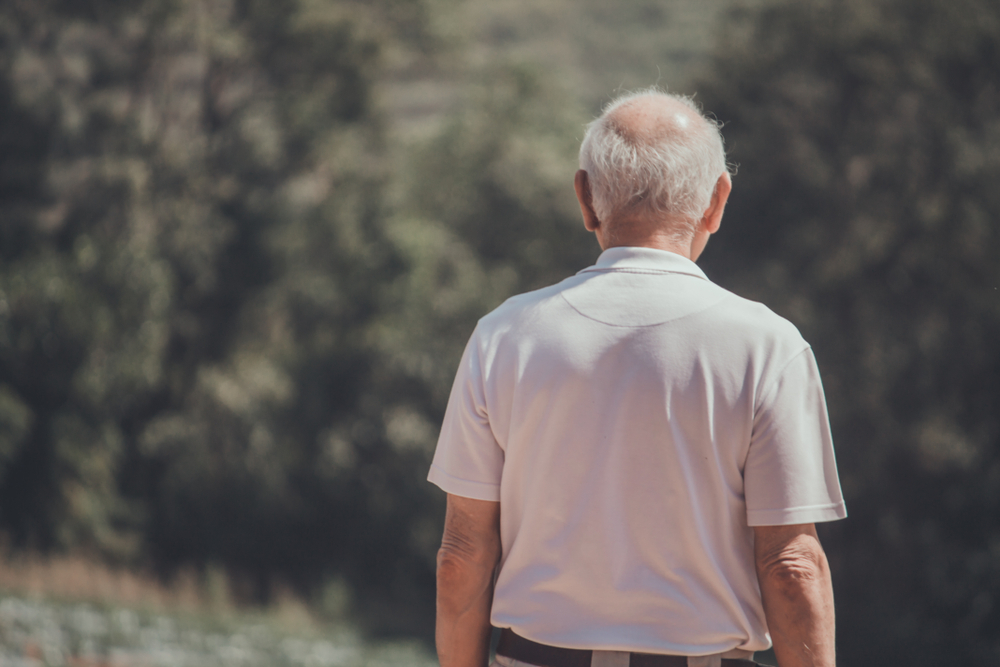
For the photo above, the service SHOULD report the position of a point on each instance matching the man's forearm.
(464, 596)
(470, 551)
(797, 593)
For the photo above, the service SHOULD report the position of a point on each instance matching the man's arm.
(797, 592)
(469, 553)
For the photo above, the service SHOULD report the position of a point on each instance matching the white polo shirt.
(634, 421)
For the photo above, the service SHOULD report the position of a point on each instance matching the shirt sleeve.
(468, 460)
(790, 475)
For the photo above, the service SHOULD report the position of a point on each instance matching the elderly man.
(635, 458)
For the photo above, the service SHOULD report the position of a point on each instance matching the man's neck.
(656, 237)
(656, 241)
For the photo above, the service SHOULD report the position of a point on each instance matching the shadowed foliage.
(868, 143)
(192, 246)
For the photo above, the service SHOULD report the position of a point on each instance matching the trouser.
(516, 651)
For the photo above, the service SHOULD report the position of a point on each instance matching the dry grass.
(74, 578)
(74, 612)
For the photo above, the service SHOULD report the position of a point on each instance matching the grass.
(76, 613)
(77, 578)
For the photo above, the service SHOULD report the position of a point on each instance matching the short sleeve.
(468, 460)
(790, 476)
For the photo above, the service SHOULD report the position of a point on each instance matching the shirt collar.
(645, 259)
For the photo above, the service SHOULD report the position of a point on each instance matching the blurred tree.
(192, 246)
(865, 209)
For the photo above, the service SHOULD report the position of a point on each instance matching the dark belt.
(514, 646)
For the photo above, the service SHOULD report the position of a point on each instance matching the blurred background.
(243, 243)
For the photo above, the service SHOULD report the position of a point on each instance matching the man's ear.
(581, 182)
(712, 218)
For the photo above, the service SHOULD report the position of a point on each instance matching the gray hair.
(671, 178)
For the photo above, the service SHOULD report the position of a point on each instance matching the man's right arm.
(797, 593)
(467, 560)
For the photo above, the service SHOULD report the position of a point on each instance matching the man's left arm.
(466, 561)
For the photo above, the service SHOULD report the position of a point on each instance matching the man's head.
(653, 161)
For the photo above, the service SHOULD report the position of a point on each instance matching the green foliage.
(15, 424)
(192, 245)
(865, 209)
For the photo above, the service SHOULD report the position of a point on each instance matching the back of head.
(652, 157)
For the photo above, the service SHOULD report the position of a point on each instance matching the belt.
(514, 646)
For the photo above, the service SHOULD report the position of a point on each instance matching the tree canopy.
(193, 244)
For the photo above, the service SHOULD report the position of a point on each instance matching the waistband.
(514, 646)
